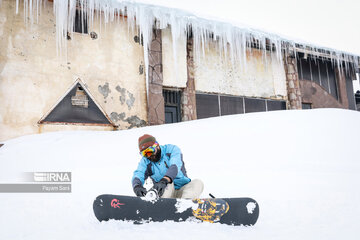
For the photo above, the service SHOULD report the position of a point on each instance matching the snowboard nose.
(100, 210)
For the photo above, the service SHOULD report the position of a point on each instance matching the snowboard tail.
(231, 211)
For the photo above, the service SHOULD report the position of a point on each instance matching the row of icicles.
(232, 42)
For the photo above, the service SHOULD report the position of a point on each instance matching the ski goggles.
(147, 152)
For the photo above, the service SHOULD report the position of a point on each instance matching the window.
(213, 105)
(207, 105)
(254, 105)
(80, 22)
(320, 71)
(172, 101)
(273, 105)
(231, 105)
(306, 106)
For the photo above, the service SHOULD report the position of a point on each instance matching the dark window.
(172, 106)
(324, 74)
(350, 92)
(275, 105)
(231, 105)
(306, 69)
(319, 71)
(80, 24)
(254, 105)
(315, 75)
(207, 106)
(332, 80)
(306, 106)
(299, 67)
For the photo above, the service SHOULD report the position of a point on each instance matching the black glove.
(139, 190)
(160, 186)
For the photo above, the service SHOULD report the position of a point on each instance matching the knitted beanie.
(146, 141)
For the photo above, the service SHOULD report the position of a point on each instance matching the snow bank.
(301, 166)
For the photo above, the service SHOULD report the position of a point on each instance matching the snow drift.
(301, 166)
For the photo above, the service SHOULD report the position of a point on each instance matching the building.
(73, 67)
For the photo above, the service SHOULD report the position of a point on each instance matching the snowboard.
(231, 211)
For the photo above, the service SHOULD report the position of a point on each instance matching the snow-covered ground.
(302, 167)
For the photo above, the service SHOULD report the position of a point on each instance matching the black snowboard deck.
(231, 211)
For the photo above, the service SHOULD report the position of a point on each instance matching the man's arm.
(175, 164)
(139, 174)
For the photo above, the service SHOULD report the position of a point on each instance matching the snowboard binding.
(152, 195)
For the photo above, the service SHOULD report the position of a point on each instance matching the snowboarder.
(165, 166)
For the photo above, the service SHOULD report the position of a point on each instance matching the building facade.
(102, 80)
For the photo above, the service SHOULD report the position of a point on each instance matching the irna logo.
(52, 176)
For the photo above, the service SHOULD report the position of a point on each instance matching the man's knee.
(169, 191)
(193, 189)
(198, 186)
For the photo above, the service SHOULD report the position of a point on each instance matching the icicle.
(231, 41)
(17, 6)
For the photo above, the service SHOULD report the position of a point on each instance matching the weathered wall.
(33, 78)
(260, 78)
(316, 95)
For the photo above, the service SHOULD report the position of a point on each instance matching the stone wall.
(292, 82)
(156, 110)
(189, 93)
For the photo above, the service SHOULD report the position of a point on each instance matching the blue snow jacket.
(170, 164)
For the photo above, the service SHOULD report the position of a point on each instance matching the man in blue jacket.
(164, 164)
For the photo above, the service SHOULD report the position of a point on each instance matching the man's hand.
(161, 185)
(167, 178)
(140, 191)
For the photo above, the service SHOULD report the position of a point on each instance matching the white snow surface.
(301, 166)
(251, 207)
(183, 204)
